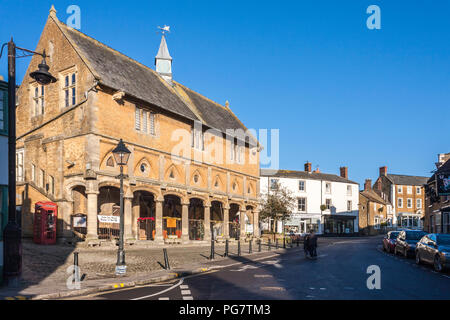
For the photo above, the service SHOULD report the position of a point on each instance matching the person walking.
(306, 244)
(312, 244)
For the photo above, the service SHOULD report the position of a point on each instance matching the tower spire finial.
(52, 11)
(163, 60)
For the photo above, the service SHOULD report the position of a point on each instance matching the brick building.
(374, 211)
(437, 202)
(406, 195)
(181, 186)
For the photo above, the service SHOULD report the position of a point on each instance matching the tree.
(277, 204)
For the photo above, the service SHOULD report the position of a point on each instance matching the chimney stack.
(383, 171)
(368, 185)
(344, 172)
(379, 184)
(308, 167)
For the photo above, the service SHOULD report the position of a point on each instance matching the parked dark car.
(407, 241)
(390, 240)
(434, 249)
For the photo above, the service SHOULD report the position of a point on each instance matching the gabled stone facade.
(67, 148)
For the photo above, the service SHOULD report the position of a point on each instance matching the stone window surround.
(62, 80)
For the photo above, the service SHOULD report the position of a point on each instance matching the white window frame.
(419, 203)
(137, 119)
(399, 202)
(20, 169)
(328, 203)
(349, 205)
(304, 204)
(69, 82)
(409, 189)
(418, 190)
(38, 99)
(349, 190)
(328, 190)
(399, 189)
(304, 185)
(409, 203)
(271, 184)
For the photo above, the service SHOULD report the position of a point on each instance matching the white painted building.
(311, 190)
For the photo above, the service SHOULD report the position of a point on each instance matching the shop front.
(339, 225)
(409, 221)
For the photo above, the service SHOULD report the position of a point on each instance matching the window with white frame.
(418, 190)
(20, 153)
(197, 139)
(69, 89)
(419, 203)
(41, 178)
(328, 203)
(33, 173)
(144, 121)
(38, 106)
(399, 189)
(349, 190)
(349, 205)
(409, 189)
(327, 187)
(409, 203)
(301, 185)
(400, 203)
(301, 204)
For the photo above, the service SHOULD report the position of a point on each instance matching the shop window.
(301, 204)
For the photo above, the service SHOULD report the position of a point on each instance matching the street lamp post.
(12, 234)
(121, 155)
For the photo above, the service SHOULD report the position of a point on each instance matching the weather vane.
(164, 29)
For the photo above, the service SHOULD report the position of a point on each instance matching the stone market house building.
(406, 195)
(374, 211)
(177, 188)
(437, 207)
(313, 189)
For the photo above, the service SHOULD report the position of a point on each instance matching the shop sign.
(109, 219)
(443, 184)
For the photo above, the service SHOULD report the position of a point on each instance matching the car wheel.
(437, 264)
(418, 261)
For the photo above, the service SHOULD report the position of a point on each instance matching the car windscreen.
(414, 235)
(443, 239)
(394, 235)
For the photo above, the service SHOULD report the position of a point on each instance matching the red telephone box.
(45, 217)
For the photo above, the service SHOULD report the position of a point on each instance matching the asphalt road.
(340, 272)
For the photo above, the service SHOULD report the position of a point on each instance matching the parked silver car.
(434, 249)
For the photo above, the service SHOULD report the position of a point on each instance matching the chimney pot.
(383, 171)
(368, 184)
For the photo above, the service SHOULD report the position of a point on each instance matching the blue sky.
(340, 94)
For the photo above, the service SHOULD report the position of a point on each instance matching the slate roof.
(303, 175)
(407, 180)
(444, 168)
(372, 196)
(117, 71)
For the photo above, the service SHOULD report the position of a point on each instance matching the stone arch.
(172, 170)
(200, 180)
(235, 185)
(153, 190)
(137, 168)
(217, 182)
(68, 186)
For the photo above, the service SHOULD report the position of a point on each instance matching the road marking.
(273, 288)
(158, 293)
(310, 296)
(165, 298)
(312, 288)
(323, 288)
(183, 286)
(263, 276)
(185, 292)
(188, 298)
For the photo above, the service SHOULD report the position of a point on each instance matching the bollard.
(250, 247)
(259, 245)
(226, 248)
(166, 259)
(76, 275)
(268, 245)
(239, 248)
(211, 257)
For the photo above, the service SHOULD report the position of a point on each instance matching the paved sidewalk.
(45, 268)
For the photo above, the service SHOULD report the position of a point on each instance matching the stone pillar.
(185, 222)
(159, 221)
(242, 223)
(128, 213)
(207, 222)
(92, 215)
(226, 222)
(256, 223)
